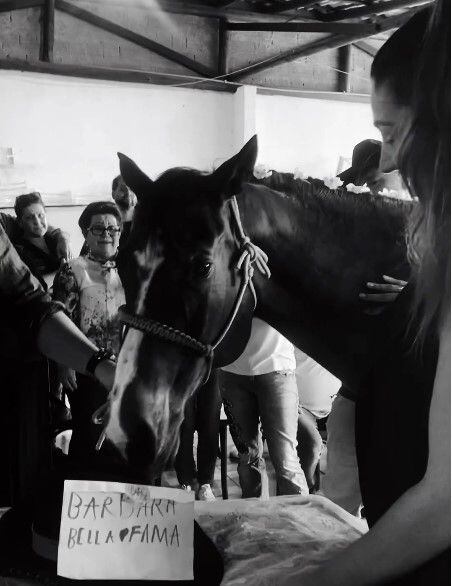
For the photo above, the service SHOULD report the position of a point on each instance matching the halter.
(250, 254)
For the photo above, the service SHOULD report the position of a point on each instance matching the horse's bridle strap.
(162, 331)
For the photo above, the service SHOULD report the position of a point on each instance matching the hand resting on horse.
(382, 293)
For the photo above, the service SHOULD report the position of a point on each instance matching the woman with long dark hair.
(403, 417)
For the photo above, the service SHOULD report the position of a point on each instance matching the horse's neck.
(320, 260)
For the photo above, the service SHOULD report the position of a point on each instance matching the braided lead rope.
(164, 332)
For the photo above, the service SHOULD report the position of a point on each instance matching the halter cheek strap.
(250, 255)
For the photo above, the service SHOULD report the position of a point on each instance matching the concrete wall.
(65, 132)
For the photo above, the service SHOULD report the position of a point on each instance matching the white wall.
(310, 134)
(65, 132)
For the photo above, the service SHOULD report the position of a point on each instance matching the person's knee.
(308, 435)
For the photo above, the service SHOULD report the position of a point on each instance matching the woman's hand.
(63, 248)
(382, 293)
(67, 378)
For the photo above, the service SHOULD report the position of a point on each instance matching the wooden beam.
(222, 46)
(366, 48)
(10, 5)
(201, 9)
(113, 74)
(344, 58)
(306, 27)
(48, 30)
(366, 11)
(329, 42)
(140, 40)
(315, 95)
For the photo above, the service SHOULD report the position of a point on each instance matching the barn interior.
(171, 83)
(174, 83)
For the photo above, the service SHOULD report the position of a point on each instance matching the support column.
(244, 116)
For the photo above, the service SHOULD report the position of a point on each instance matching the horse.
(187, 270)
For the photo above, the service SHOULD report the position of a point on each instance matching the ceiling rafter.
(48, 30)
(329, 42)
(344, 28)
(366, 48)
(115, 74)
(129, 35)
(372, 10)
(11, 5)
(297, 18)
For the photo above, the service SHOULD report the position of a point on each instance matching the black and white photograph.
(225, 284)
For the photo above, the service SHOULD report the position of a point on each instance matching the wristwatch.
(99, 356)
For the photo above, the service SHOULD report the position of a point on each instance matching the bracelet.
(99, 356)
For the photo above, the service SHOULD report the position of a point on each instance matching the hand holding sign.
(111, 530)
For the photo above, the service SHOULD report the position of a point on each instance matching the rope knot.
(251, 248)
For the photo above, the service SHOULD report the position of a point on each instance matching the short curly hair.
(27, 199)
(95, 208)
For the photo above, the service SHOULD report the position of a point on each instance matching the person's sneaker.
(185, 487)
(205, 493)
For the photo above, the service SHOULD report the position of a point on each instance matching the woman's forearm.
(60, 340)
(415, 529)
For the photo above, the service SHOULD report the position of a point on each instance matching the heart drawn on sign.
(123, 534)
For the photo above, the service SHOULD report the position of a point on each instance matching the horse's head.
(179, 272)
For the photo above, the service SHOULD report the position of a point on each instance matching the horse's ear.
(134, 177)
(230, 176)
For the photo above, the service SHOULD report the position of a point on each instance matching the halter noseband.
(249, 254)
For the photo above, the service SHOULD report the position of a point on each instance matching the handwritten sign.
(111, 530)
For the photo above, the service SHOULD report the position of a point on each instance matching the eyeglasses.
(99, 230)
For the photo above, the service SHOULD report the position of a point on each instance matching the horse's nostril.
(141, 445)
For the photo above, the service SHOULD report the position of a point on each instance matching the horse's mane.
(312, 191)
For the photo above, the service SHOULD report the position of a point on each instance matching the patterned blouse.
(92, 293)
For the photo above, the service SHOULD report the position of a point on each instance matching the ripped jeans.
(272, 398)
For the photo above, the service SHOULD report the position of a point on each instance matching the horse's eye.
(202, 269)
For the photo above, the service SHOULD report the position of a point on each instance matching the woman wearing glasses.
(90, 288)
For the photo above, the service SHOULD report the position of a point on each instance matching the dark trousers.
(202, 414)
(25, 434)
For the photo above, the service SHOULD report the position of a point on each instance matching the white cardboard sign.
(117, 531)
